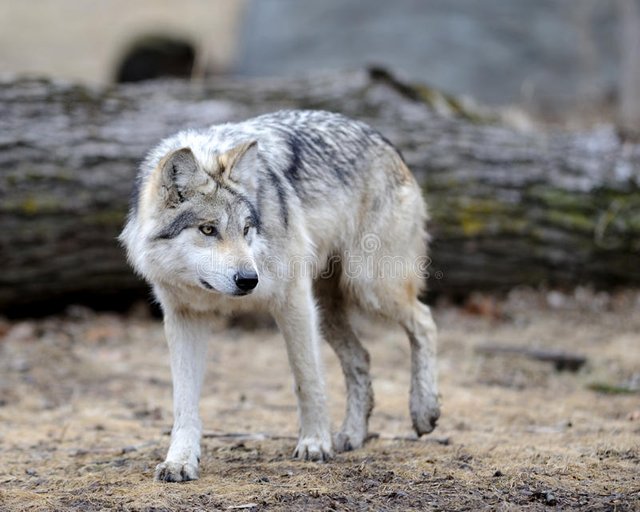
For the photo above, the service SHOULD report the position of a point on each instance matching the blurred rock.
(547, 54)
(557, 300)
(21, 331)
(483, 305)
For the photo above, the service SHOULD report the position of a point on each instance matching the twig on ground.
(560, 359)
(246, 436)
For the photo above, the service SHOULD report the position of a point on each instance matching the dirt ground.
(85, 412)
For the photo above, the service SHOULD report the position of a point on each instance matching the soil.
(85, 411)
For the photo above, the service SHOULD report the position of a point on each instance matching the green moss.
(621, 211)
(571, 220)
(65, 175)
(472, 216)
(440, 101)
(611, 389)
(478, 215)
(471, 226)
(560, 199)
(30, 206)
(634, 222)
(605, 219)
(106, 218)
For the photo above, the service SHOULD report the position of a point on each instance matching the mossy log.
(508, 207)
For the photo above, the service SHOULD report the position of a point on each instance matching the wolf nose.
(246, 281)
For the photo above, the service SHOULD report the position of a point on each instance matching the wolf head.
(195, 223)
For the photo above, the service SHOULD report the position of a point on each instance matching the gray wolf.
(305, 214)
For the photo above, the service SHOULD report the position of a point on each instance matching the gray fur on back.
(310, 149)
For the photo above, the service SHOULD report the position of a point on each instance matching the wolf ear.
(178, 171)
(239, 162)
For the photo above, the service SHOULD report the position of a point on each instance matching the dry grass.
(81, 431)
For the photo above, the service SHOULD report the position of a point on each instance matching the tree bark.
(508, 207)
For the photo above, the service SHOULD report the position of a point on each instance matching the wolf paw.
(176, 472)
(348, 440)
(424, 418)
(313, 448)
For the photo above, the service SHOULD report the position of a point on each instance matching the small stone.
(369, 484)
(21, 331)
(498, 473)
(20, 365)
(78, 312)
(634, 415)
(556, 300)
(550, 499)
(387, 477)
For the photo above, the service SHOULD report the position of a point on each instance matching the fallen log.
(508, 207)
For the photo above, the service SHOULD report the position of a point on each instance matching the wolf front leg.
(187, 338)
(298, 322)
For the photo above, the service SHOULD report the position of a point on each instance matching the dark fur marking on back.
(292, 172)
(341, 175)
(282, 196)
(318, 152)
(314, 150)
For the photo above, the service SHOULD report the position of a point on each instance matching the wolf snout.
(246, 280)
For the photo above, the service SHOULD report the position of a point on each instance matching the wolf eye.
(246, 229)
(208, 230)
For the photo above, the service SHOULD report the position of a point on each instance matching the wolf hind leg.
(354, 360)
(423, 399)
(397, 301)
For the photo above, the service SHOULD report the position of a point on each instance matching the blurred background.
(520, 120)
(564, 61)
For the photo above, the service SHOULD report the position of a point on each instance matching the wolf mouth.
(238, 293)
(206, 285)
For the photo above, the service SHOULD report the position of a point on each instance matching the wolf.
(308, 215)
